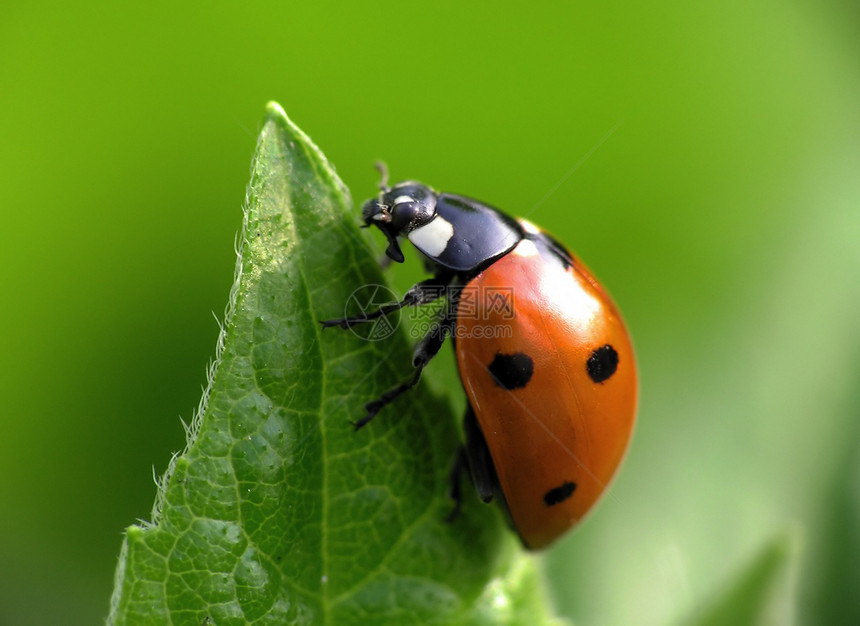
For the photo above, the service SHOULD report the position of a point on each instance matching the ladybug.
(543, 355)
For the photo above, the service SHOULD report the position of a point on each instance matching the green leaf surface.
(762, 593)
(278, 511)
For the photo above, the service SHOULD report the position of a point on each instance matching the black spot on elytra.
(559, 494)
(511, 371)
(602, 363)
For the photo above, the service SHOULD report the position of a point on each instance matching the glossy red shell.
(561, 427)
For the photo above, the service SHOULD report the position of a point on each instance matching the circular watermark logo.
(366, 301)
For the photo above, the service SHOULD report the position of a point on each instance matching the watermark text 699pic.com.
(487, 307)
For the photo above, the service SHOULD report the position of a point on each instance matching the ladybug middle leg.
(426, 291)
(425, 350)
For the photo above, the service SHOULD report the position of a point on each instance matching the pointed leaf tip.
(273, 109)
(278, 512)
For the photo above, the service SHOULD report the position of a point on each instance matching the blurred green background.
(723, 213)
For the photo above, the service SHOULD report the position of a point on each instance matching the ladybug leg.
(481, 467)
(426, 349)
(423, 293)
(474, 455)
(389, 396)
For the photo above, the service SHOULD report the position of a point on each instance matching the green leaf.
(762, 593)
(278, 511)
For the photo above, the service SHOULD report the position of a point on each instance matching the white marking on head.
(433, 237)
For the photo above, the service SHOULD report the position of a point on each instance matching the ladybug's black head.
(399, 210)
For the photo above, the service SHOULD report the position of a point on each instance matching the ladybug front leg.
(423, 293)
(426, 349)
(474, 455)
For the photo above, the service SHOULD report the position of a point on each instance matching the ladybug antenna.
(383, 173)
